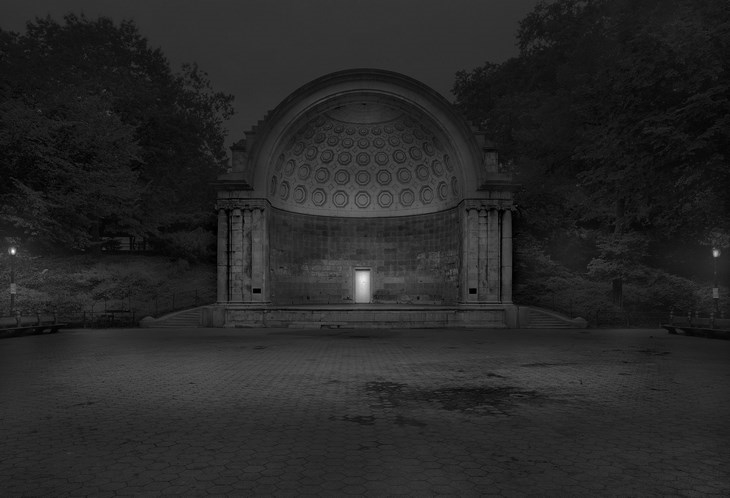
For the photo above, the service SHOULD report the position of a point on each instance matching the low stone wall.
(314, 317)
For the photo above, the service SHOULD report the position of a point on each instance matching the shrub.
(196, 245)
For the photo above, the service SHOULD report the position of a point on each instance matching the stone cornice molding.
(505, 204)
(241, 203)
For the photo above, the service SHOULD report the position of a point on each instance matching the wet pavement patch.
(358, 419)
(481, 398)
(467, 399)
(541, 364)
(652, 352)
(404, 421)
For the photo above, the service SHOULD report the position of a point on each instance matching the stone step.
(187, 318)
(540, 320)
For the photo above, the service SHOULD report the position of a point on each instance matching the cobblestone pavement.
(199, 412)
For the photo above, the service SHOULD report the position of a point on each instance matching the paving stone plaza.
(287, 412)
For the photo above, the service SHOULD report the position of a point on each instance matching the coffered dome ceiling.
(366, 158)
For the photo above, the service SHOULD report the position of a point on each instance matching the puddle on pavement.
(541, 364)
(652, 352)
(358, 419)
(465, 399)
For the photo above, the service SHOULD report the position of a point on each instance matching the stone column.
(222, 280)
(472, 217)
(236, 265)
(257, 256)
(464, 260)
(247, 225)
(482, 257)
(265, 275)
(493, 246)
(507, 256)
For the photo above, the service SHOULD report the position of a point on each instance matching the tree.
(66, 155)
(622, 108)
(99, 135)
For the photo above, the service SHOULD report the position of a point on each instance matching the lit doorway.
(362, 286)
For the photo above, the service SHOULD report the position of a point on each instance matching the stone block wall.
(413, 259)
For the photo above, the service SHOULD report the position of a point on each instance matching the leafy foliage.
(616, 113)
(98, 135)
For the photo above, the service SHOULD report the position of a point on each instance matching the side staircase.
(541, 318)
(180, 319)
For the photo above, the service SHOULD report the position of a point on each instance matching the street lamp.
(12, 250)
(715, 289)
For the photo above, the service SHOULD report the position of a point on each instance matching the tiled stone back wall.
(413, 259)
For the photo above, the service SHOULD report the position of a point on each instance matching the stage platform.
(359, 316)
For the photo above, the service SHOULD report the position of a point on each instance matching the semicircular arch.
(365, 143)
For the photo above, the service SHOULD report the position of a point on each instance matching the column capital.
(238, 203)
(488, 204)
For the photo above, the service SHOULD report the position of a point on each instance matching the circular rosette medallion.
(344, 158)
(426, 194)
(443, 191)
(322, 175)
(319, 197)
(362, 199)
(399, 156)
(406, 197)
(384, 177)
(274, 184)
(300, 194)
(304, 171)
(342, 177)
(363, 159)
(340, 199)
(362, 177)
(447, 162)
(404, 175)
(289, 168)
(284, 191)
(385, 199)
(327, 156)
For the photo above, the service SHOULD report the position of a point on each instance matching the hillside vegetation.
(93, 283)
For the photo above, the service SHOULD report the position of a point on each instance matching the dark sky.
(262, 50)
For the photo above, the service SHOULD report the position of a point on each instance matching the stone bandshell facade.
(363, 170)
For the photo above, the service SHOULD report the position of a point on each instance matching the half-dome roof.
(364, 143)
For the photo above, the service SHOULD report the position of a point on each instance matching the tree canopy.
(617, 115)
(98, 135)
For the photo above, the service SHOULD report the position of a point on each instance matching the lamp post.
(715, 289)
(12, 250)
